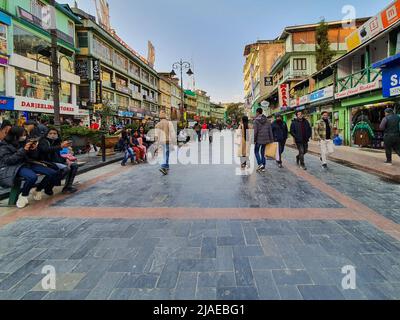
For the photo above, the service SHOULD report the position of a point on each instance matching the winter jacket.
(280, 131)
(49, 150)
(11, 161)
(165, 132)
(391, 125)
(263, 131)
(296, 131)
(320, 130)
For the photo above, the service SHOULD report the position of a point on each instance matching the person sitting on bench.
(15, 162)
(50, 148)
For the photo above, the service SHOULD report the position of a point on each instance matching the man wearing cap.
(280, 131)
(391, 127)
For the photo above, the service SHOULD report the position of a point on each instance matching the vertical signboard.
(284, 96)
(96, 70)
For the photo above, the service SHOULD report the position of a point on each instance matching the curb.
(393, 178)
(84, 170)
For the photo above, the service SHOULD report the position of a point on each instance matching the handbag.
(272, 151)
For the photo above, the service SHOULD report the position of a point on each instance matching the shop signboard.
(43, 106)
(268, 81)
(96, 70)
(82, 68)
(284, 95)
(359, 89)
(374, 26)
(391, 81)
(6, 103)
(99, 92)
(299, 101)
(322, 94)
(125, 114)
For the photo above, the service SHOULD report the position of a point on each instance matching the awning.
(388, 62)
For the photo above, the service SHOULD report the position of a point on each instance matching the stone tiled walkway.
(205, 233)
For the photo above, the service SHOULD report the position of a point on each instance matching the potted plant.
(80, 136)
(105, 113)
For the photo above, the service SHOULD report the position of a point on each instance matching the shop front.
(7, 109)
(125, 117)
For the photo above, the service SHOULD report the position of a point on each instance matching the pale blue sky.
(213, 33)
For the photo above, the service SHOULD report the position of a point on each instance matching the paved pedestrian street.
(204, 232)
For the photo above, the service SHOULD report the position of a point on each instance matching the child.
(68, 155)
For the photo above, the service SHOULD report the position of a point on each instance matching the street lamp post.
(180, 66)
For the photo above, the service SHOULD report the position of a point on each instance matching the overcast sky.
(213, 33)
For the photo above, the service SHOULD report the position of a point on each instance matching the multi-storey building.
(165, 97)
(256, 71)
(113, 73)
(25, 74)
(217, 112)
(299, 59)
(190, 105)
(203, 105)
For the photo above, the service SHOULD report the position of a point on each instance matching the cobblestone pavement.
(132, 234)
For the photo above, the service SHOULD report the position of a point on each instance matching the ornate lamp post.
(180, 66)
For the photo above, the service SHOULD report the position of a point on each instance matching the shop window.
(122, 101)
(37, 8)
(134, 69)
(101, 49)
(2, 81)
(108, 96)
(65, 93)
(3, 38)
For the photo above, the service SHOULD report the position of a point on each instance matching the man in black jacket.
(262, 136)
(301, 132)
(280, 131)
(49, 150)
(391, 126)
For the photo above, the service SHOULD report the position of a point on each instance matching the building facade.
(25, 75)
(190, 105)
(166, 96)
(217, 112)
(112, 73)
(203, 105)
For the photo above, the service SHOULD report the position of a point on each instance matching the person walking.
(280, 132)
(204, 129)
(324, 133)
(197, 128)
(391, 127)
(244, 143)
(165, 136)
(301, 132)
(262, 136)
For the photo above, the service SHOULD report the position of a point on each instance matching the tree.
(105, 113)
(235, 112)
(323, 51)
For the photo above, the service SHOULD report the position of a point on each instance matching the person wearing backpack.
(391, 127)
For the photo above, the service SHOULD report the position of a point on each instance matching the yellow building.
(260, 57)
(165, 95)
(190, 105)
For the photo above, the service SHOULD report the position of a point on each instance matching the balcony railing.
(362, 77)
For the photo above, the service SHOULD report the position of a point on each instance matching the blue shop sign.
(391, 81)
(126, 114)
(6, 103)
(6, 19)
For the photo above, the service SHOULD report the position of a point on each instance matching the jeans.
(392, 142)
(165, 164)
(128, 154)
(326, 148)
(29, 174)
(260, 154)
(303, 149)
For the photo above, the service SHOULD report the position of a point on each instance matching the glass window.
(2, 81)
(134, 69)
(122, 101)
(106, 78)
(108, 96)
(33, 85)
(71, 29)
(37, 8)
(26, 44)
(83, 40)
(146, 76)
(120, 61)
(101, 49)
(299, 64)
(3, 38)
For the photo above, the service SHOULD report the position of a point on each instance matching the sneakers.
(123, 164)
(164, 171)
(388, 163)
(69, 190)
(303, 166)
(37, 195)
(280, 166)
(261, 168)
(22, 202)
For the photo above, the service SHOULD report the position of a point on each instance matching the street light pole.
(180, 66)
(55, 68)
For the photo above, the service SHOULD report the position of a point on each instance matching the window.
(25, 44)
(108, 96)
(146, 76)
(122, 101)
(101, 49)
(106, 77)
(134, 69)
(33, 85)
(37, 8)
(120, 61)
(135, 87)
(3, 38)
(2, 81)
(299, 64)
(71, 29)
(83, 40)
